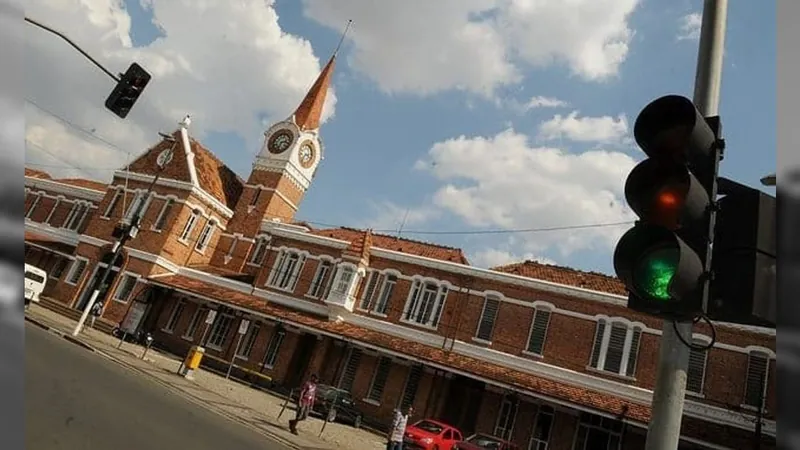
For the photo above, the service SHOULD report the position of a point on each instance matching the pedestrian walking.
(398, 429)
(305, 402)
(97, 310)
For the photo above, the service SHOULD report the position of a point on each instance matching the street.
(76, 399)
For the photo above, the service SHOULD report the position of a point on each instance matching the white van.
(35, 279)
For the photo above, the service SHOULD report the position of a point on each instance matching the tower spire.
(308, 114)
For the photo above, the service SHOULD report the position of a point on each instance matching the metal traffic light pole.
(664, 429)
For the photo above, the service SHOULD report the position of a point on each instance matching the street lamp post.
(163, 160)
(769, 180)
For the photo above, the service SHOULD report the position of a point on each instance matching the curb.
(164, 384)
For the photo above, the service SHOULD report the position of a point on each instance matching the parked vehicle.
(337, 405)
(482, 441)
(140, 337)
(35, 279)
(431, 434)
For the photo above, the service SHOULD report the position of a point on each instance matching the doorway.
(463, 403)
(94, 281)
(301, 358)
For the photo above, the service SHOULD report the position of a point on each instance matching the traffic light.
(128, 90)
(661, 260)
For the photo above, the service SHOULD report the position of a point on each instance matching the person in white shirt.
(398, 429)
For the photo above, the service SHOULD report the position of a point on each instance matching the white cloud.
(492, 257)
(503, 182)
(690, 26)
(228, 64)
(423, 47)
(585, 129)
(545, 102)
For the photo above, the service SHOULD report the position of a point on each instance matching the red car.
(484, 442)
(430, 435)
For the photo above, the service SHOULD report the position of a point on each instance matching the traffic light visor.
(665, 194)
(671, 128)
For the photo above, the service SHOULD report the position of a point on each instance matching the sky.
(502, 127)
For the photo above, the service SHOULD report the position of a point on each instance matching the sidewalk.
(251, 407)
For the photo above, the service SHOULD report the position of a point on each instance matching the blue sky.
(370, 176)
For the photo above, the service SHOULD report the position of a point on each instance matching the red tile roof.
(308, 114)
(565, 275)
(33, 173)
(359, 247)
(84, 183)
(425, 249)
(515, 378)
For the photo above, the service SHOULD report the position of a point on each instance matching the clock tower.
(281, 175)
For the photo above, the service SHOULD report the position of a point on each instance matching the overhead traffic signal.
(128, 90)
(661, 260)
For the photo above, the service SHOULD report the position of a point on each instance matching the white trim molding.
(64, 188)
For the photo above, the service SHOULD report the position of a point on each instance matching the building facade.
(546, 356)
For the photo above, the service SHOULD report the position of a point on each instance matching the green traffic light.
(655, 272)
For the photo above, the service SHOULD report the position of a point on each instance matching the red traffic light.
(665, 194)
(671, 128)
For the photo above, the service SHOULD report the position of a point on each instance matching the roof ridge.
(416, 241)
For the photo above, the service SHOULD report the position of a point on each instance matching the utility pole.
(163, 159)
(664, 430)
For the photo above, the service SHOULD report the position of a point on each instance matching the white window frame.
(64, 262)
(248, 342)
(59, 199)
(188, 227)
(488, 298)
(371, 286)
(77, 215)
(113, 203)
(34, 204)
(588, 426)
(507, 430)
(139, 197)
(346, 277)
(698, 342)
(377, 397)
(121, 284)
(535, 443)
(177, 311)
(194, 323)
(536, 311)
(384, 293)
(273, 348)
(259, 251)
(226, 319)
(166, 208)
(412, 311)
(764, 389)
(286, 280)
(72, 268)
(628, 351)
(206, 235)
(322, 277)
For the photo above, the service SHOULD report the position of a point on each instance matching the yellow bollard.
(191, 362)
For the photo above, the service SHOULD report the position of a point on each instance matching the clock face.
(280, 141)
(306, 155)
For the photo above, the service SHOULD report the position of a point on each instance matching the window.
(538, 333)
(372, 282)
(140, 200)
(411, 387)
(246, 347)
(271, 355)
(112, 205)
(33, 206)
(175, 316)
(616, 347)
(350, 369)
(205, 236)
(491, 306)
(58, 268)
(506, 418)
(389, 281)
(190, 223)
(697, 368)
(219, 331)
(345, 280)
(597, 433)
(379, 379)
(125, 288)
(53, 210)
(261, 249)
(254, 200)
(76, 216)
(194, 323)
(542, 426)
(424, 306)
(76, 271)
(287, 268)
(320, 277)
(163, 215)
(755, 388)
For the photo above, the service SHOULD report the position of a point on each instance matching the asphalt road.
(75, 399)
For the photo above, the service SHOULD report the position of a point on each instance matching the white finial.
(186, 121)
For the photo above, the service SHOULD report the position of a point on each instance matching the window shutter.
(366, 299)
(541, 321)
(412, 385)
(349, 375)
(697, 370)
(616, 344)
(757, 366)
(412, 300)
(598, 343)
(486, 325)
(298, 269)
(633, 356)
(379, 380)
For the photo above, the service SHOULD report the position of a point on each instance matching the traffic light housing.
(128, 90)
(662, 259)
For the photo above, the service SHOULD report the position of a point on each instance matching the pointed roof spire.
(308, 114)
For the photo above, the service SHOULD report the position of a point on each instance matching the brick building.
(544, 355)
